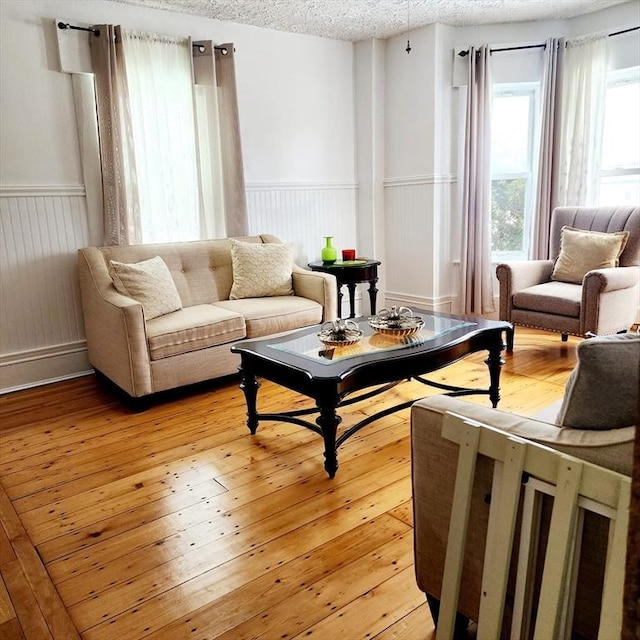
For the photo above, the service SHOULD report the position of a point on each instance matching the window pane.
(507, 214)
(620, 190)
(510, 134)
(621, 142)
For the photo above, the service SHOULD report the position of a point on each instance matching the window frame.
(616, 78)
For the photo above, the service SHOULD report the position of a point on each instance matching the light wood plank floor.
(176, 523)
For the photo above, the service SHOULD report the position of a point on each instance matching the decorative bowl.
(339, 333)
(396, 322)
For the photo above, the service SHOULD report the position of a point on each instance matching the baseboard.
(442, 303)
(37, 367)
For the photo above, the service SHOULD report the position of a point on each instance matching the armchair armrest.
(601, 280)
(609, 299)
(317, 286)
(114, 327)
(515, 276)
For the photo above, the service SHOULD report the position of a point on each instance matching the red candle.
(348, 254)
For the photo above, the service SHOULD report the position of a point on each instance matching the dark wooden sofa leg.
(565, 337)
(462, 622)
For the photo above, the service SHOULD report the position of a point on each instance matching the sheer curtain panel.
(476, 274)
(584, 85)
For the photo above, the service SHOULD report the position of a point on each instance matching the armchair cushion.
(608, 369)
(582, 251)
(261, 270)
(149, 282)
(559, 298)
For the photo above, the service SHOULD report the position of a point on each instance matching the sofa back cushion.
(201, 269)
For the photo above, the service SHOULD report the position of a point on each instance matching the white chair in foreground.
(577, 486)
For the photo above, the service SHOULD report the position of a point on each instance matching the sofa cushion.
(559, 298)
(266, 316)
(261, 270)
(193, 328)
(582, 251)
(603, 390)
(149, 282)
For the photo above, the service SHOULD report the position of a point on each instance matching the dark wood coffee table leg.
(250, 386)
(328, 421)
(494, 362)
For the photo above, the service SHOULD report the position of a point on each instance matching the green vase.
(329, 252)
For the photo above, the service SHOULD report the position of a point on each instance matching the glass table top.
(310, 347)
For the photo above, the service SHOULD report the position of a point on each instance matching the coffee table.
(330, 375)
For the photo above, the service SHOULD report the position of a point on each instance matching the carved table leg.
(328, 421)
(351, 286)
(373, 292)
(494, 362)
(250, 386)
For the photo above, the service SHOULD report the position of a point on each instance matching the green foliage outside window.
(507, 214)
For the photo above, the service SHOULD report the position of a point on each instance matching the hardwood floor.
(176, 523)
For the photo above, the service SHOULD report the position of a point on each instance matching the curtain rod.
(201, 48)
(462, 54)
(96, 32)
(66, 25)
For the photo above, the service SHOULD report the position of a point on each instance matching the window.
(620, 168)
(512, 179)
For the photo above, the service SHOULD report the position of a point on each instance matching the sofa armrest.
(114, 327)
(515, 276)
(318, 286)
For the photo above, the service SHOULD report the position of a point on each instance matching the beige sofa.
(434, 463)
(193, 343)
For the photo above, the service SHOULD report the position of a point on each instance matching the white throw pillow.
(261, 270)
(149, 282)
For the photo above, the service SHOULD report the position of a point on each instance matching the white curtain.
(584, 85)
(476, 273)
(160, 123)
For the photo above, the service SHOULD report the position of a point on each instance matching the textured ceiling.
(362, 19)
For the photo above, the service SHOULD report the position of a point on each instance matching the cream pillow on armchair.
(261, 270)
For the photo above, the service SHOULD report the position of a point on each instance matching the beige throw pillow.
(581, 251)
(261, 270)
(150, 283)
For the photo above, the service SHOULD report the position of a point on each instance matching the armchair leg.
(460, 630)
(565, 337)
(510, 335)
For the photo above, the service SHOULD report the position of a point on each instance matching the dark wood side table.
(351, 273)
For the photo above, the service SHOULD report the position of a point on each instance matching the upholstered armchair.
(556, 295)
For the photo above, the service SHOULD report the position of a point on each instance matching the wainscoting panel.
(303, 214)
(417, 241)
(41, 229)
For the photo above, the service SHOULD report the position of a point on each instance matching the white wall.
(296, 106)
